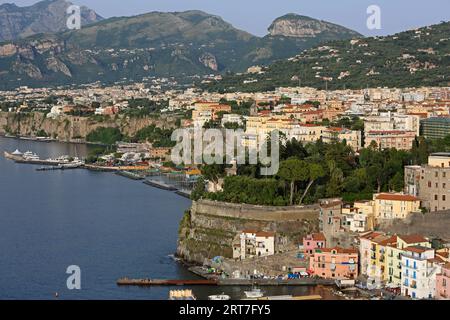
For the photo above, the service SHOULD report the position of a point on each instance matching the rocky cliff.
(293, 25)
(69, 128)
(210, 228)
(43, 17)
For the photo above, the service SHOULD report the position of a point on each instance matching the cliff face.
(210, 228)
(69, 128)
(293, 25)
(44, 17)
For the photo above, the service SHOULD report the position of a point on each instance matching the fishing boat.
(222, 297)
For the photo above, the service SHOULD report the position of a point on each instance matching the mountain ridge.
(418, 57)
(165, 44)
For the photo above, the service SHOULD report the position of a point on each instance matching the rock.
(209, 61)
(293, 25)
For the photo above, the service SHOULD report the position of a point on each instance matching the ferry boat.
(222, 297)
(254, 293)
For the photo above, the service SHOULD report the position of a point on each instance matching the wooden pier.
(161, 282)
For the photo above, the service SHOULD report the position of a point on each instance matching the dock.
(161, 282)
(224, 282)
(52, 168)
(160, 185)
(130, 175)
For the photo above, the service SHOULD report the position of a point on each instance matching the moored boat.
(254, 293)
(222, 297)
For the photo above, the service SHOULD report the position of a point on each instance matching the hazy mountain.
(418, 57)
(43, 17)
(154, 44)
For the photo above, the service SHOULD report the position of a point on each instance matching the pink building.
(334, 263)
(443, 283)
(314, 241)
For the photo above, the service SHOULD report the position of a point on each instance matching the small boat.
(255, 293)
(222, 296)
(181, 295)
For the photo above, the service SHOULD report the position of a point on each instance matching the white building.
(419, 269)
(254, 244)
(232, 118)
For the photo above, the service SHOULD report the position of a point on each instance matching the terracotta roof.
(265, 234)
(396, 197)
(318, 236)
(417, 249)
(437, 259)
(371, 235)
(413, 238)
(390, 240)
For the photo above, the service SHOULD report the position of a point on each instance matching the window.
(443, 197)
(435, 197)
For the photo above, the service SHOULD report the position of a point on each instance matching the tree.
(315, 172)
(293, 170)
(213, 172)
(199, 189)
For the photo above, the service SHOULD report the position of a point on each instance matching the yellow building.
(381, 256)
(394, 206)
(393, 268)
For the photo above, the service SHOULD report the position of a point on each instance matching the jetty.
(130, 175)
(160, 185)
(225, 282)
(161, 282)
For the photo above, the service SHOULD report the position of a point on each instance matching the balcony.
(413, 285)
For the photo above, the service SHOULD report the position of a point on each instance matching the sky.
(255, 16)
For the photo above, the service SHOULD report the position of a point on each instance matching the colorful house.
(314, 241)
(393, 269)
(334, 263)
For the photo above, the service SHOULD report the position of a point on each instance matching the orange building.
(334, 263)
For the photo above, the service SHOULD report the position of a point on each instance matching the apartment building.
(351, 137)
(314, 241)
(412, 180)
(434, 185)
(398, 139)
(334, 263)
(254, 243)
(435, 127)
(389, 206)
(419, 272)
